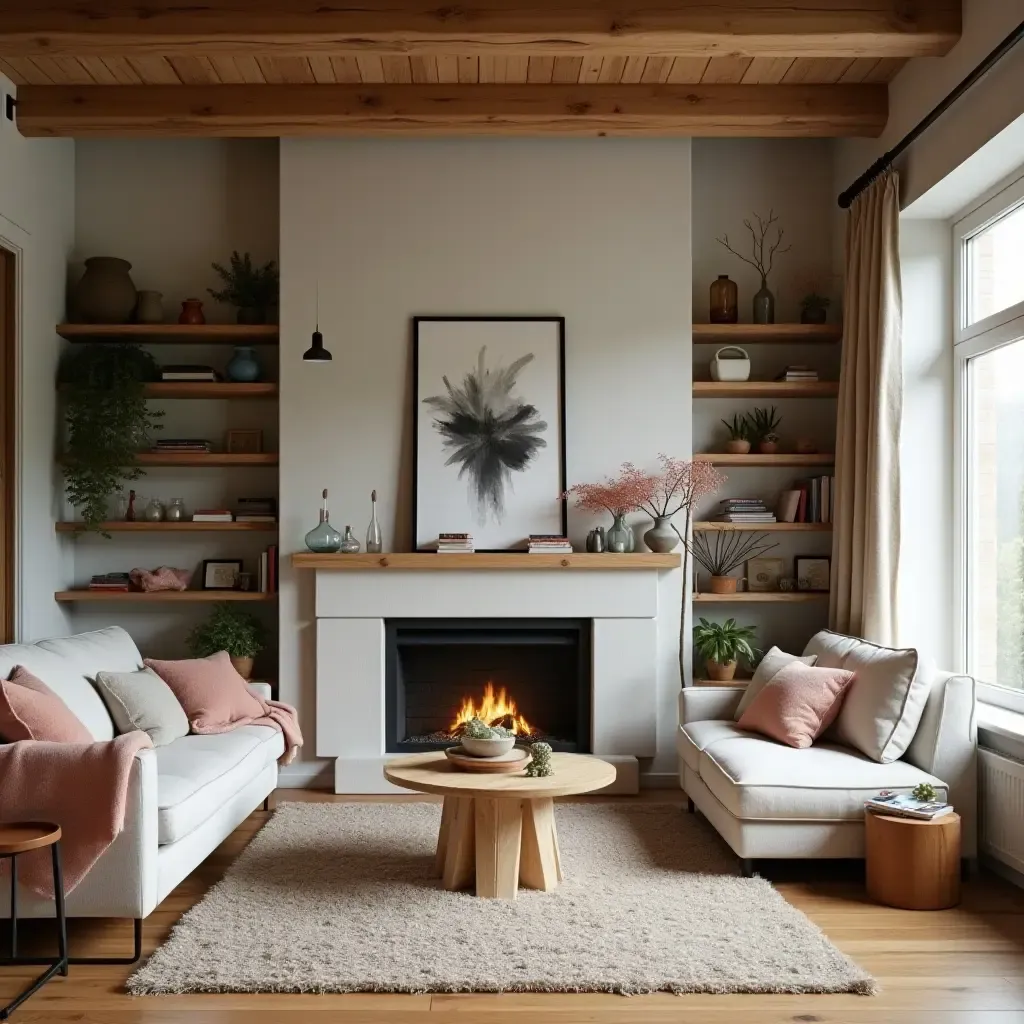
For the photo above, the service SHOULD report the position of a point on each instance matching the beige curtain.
(866, 537)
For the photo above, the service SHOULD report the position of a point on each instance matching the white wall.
(37, 221)
(595, 230)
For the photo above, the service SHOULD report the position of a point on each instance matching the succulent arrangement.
(763, 426)
(540, 766)
(924, 791)
(478, 730)
(740, 428)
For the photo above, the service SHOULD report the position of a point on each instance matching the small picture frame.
(221, 574)
(763, 574)
(813, 573)
(245, 442)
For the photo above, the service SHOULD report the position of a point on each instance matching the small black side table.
(17, 838)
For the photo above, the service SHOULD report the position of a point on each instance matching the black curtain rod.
(887, 159)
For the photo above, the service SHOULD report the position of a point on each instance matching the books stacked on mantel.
(744, 510)
(193, 445)
(212, 515)
(256, 510)
(455, 544)
(188, 371)
(810, 501)
(903, 805)
(798, 373)
(548, 544)
(118, 582)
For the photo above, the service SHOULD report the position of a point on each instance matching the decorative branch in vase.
(728, 551)
(764, 300)
(618, 496)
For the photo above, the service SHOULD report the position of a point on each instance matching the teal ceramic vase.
(619, 539)
(243, 368)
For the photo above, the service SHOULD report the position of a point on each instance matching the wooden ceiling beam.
(684, 28)
(318, 110)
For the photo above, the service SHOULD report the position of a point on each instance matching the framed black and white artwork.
(490, 429)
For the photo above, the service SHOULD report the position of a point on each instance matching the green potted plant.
(721, 645)
(814, 308)
(229, 629)
(254, 290)
(763, 426)
(739, 435)
(107, 422)
(725, 551)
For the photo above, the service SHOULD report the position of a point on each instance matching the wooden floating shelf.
(773, 597)
(172, 596)
(720, 682)
(766, 334)
(710, 526)
(205, 460)
(184, 526)
(724, 459)
(209, 389)
(765, 389)
(431, 562)
(173, 334)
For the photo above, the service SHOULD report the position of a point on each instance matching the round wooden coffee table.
(498, 829)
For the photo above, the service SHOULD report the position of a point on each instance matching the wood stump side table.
(498, 830)
(22, 837)
(911, 863)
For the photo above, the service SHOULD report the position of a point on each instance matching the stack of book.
(798, 373)
(256, 510)
(115, 581)
(187, 371)
(212, 515)
(906, 806)
(193, 445)
(810, 501)
(548, 544)
(266, 573)
(455, 544)
(744, 510)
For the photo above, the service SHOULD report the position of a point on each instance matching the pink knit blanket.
(80, 786)
(276, 714)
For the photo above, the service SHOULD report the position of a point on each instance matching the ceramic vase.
(105, 294)
(150, 308)
(243, 367)
(192, 312)
(737, 446)
(662, 537)
(764, 305)
(595, 541)
(813, 314)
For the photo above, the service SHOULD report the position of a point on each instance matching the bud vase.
(662, 537)
(764, 305)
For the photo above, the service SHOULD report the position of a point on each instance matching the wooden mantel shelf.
(430, 562)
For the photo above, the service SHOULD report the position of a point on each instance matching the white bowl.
(488, 748)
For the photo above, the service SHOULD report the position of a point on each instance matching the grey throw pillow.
(142, 700)
(771, 665)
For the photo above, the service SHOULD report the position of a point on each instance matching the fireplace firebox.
(532, 676)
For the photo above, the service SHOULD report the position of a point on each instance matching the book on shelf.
(254, 517)
(116, 581)
(789, 503)
(455, 544)
(754, 517)
(212, 515)
(265, 506)
(548, 544)
(904, 805)
(797, 373)
(188, 371)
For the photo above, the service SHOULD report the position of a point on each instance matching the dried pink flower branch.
(628, 492)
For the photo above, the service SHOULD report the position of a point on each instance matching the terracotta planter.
(723, 584)
(767, 447)
(721, 672)
(105, 294)
(243, 666)
(192, 312)
(737, 447)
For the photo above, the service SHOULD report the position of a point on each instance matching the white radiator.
(1001, 790)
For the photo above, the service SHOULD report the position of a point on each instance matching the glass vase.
(175, 512)
(619, 539)
(349, 544)
(323, 538)
(373, 538)
(724, 306)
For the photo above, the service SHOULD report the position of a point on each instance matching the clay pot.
(721, 672)
(740, 446)
(191, 312)
(767, 447)
(813, 314)
(723, 584)
(105, 294)
(243, 666)
(661, 537)
(150, 308)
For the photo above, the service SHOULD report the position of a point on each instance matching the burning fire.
(494, 709)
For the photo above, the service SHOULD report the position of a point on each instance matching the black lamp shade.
(317, 353)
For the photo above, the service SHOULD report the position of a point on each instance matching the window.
(990, 394)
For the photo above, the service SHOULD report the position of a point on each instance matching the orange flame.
(490, 710)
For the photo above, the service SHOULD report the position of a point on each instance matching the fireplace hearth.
(532, 676)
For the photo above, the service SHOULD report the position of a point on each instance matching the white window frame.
(987, 335)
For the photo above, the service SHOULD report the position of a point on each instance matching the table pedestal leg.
(458, 842)
(447, 814)
(540, 867)
(498, 839)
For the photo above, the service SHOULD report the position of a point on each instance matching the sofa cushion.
(754, 778)
(883, 707)
(769, 666)
(30, 710)
(142, 700)
(696, 736)
(197, 774)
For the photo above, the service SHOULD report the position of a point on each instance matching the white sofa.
(183, 800)
(769, 801)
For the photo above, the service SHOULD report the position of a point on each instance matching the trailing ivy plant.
(108, 421)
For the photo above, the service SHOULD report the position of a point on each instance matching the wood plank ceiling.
(809, 67)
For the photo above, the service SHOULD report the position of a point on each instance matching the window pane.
(995, 274)
(996, 538)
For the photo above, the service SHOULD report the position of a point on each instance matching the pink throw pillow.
(30, 710)
(798, 704)
(215, 697)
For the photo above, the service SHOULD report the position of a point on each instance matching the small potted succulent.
(739, 435)
(814, 308)
(483, 740)
(763, 426)
(229, 629)
(253, 290)
(721, 645)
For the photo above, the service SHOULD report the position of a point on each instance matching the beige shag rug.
(335, 897)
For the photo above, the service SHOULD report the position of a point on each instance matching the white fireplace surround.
(351, 609)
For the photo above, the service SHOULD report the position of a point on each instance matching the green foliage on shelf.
(229, 629)
(246, 286)
(740, 428)
(764, 423)
(107, 420)
(724, 641)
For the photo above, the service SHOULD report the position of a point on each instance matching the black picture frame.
(209, 562)
(417, 321)
(812, 558)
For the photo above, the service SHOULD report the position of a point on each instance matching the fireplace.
(533, 676)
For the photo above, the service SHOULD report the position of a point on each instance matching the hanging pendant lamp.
(316, 353)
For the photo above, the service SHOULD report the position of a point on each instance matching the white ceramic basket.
(730, 367)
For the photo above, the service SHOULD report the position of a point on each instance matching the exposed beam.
(297, 110)
(756, 28)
